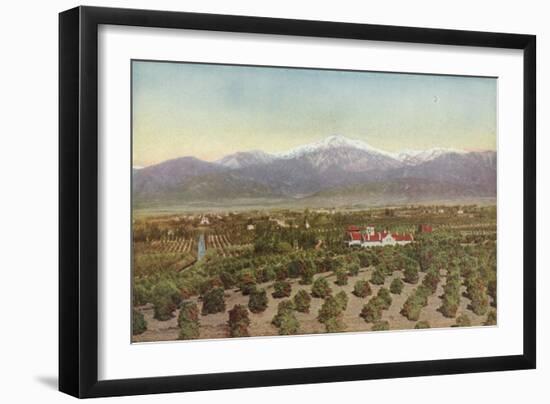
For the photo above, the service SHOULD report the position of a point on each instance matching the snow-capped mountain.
(330, 143)
(337, 150)
(335, 163)
(413, 157)
(246, 159)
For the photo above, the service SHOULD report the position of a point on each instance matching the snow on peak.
(420, 156)
(407, 157)
(244, 159)
(331, 142)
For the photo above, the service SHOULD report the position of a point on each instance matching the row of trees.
(471, 266)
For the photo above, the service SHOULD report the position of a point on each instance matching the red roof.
(402, 237)
(375, 236)
(379, 236)
(425, 228)
(353, 228)
(355, 235)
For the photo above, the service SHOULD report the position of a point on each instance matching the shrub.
(422, 292)
(385, 297)
(238, 321)
(364, 260)
(283, 247)
(294, 268)
(478, 295)
(140, 295)
(321, 288)
(342, 299)
(247, 281)
(372, 311)
(414, 303)
(334, 324)
(284, 307)
(189, 312)
(381, 326)
(463, 321)
(378, 277)
(491, 318)
(186, 292)
(213, 301)
(341, 277)
(139, 325)
(307, 272)
(282, 289)
(362, 288)
(422, 324)
(281, 273)
(385, 268)
(411, 274)
(188, 321)
(450, 300)
(353, 269)
(431, 280)
(189, 330)
(449, 304)
(302, 301)
(396, 286)
(288, 324)
(268, 274)
(228, 280)
(210, 283)
(330, 308)
(257, 301)
(165, 299)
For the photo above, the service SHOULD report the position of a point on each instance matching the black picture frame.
(78, 201)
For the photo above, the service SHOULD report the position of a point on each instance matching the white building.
(370, 238)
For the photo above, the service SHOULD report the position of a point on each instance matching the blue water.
(202, 247)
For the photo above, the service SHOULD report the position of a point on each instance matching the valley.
(293, 271)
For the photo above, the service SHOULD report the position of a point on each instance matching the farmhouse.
(378, 239)
(355, 238)
(368, 237)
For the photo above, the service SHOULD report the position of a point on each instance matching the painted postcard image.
(273, 201)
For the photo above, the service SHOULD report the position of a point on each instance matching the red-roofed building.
(370, 238)
(424, 228)
(354, 238)
(402, 237)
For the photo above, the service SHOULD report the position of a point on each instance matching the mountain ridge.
(309, 170)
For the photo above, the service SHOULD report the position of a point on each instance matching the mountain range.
(334, 171)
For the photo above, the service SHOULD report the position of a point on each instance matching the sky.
(208, 111)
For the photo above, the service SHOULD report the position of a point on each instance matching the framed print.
(250, 201)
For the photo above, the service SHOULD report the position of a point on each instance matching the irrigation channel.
(201, 247)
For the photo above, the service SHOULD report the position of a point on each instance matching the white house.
(370, 238)
(380, 239)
